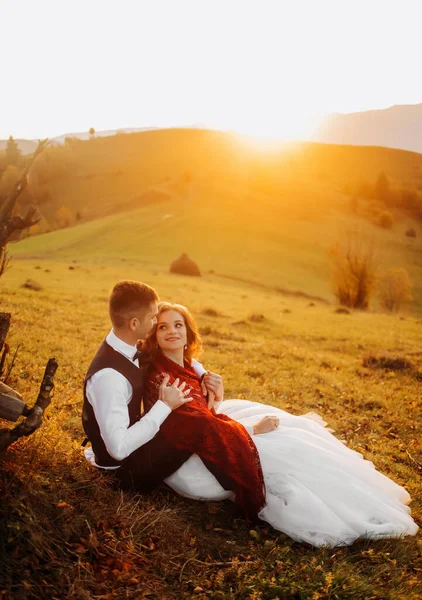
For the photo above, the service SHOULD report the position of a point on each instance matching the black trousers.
(149, 465)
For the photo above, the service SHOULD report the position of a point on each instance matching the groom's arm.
(109, 394)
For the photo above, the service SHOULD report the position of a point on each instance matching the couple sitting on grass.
(287, 470)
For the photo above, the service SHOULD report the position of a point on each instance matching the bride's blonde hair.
(193, 341)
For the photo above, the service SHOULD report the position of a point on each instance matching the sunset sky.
(260, 67)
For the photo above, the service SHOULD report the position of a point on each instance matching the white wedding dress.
(317, 489)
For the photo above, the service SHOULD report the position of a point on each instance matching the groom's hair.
(128, 299)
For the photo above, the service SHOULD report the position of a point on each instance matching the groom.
(122, 440)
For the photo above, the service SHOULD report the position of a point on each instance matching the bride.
(316, 489)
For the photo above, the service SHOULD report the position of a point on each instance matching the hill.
(268, 249)
(394, 127)
(85, 135)
(266, 215)
(103, 175)
(262, 214)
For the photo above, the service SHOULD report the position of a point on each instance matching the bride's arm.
(213, 384)
(200, 371)
(206, 390)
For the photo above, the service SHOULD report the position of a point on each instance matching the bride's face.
(171, 330)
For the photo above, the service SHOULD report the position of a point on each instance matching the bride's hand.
(265, 425)
(213, 383)
(211, 399)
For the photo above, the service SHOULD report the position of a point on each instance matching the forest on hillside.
(86, 179)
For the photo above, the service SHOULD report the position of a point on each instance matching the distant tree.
(411, 233)
(394, 289)
(34, 230)
(3, 163)
(385, 219)
(13, 153)
(353, 271)
(63, 217)
(8, 181)
(78, 216)
(382, 189)
(41, 195)
(92, 133)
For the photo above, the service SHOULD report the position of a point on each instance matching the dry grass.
(67, 533)
(392, 363)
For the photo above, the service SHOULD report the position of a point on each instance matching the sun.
(284, 127)
(268, 131)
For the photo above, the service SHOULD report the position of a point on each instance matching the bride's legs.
(193, 480)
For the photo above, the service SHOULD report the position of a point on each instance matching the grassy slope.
(70, 535)
(259, 242)
(263, 214)
(101, 173)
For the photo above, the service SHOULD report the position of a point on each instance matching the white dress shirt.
(109, 394)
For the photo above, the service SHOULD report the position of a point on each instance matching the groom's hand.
(213, 384)
(174, 395)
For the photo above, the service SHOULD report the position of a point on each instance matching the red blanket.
(223, 445)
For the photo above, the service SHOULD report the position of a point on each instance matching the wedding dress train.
(317, 489)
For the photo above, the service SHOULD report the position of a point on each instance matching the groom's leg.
(150, 464)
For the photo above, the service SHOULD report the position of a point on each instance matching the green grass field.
(262, 243)
(68, 534)
(265, 215)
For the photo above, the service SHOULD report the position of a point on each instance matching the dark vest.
(108, 358)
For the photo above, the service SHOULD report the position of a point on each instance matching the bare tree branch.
(4, 261)
(8, 224)
(11, 364)
(17, 223)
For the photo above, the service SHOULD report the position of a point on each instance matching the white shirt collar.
(121, 346)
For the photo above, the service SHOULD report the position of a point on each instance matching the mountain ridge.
(398, 127)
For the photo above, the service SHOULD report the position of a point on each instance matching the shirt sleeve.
(198, 367)
(109, 394)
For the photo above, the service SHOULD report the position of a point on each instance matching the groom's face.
(146, 321)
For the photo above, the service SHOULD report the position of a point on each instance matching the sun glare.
(268, 133)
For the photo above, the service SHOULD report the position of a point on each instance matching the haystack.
(185, 266)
